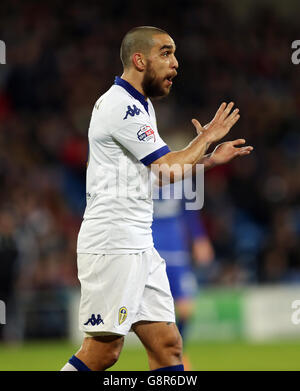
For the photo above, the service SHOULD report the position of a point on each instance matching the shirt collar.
(132, 91)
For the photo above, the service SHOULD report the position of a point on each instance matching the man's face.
(161, 67)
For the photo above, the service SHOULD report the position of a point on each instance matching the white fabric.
(118, 219)
(68, 367)
(136, 283)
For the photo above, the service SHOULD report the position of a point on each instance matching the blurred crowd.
(62, 56)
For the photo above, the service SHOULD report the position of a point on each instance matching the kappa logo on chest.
(132, 111)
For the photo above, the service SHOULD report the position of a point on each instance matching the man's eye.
(166, 53)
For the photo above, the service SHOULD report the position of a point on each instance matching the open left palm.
(225, 152)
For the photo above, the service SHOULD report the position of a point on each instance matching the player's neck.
(135, 80)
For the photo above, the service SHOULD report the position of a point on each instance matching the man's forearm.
(190, 155)
(178, 164)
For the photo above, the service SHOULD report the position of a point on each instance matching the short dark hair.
(138, 39)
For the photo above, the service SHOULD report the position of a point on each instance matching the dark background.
(61, 56)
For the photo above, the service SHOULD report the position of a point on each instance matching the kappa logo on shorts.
(122, 314)
(146, 133)
(94, 321)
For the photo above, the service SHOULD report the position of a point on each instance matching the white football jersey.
(123, 142)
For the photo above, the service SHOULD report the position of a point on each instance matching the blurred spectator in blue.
(180, 238)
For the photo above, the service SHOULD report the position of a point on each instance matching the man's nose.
(175, 63)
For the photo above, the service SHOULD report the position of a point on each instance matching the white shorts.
(118, 290)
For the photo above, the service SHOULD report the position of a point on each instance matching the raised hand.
(220, 125)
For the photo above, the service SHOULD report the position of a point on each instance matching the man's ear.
(139, 61)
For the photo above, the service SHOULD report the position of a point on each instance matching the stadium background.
(60, 58)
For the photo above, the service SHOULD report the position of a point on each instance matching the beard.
(152, 85)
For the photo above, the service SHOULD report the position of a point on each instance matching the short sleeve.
(138, 136)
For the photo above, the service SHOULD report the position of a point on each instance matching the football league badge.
(146, 134)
